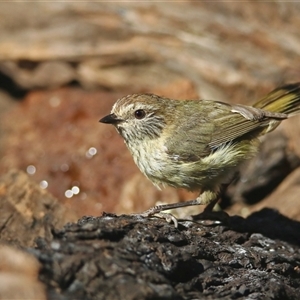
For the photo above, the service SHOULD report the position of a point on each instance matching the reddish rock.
(19, 275)
(58, 140)
(28, 211)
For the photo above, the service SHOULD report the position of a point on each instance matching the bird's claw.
(167, 216)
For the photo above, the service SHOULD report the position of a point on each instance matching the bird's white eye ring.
(140, 114)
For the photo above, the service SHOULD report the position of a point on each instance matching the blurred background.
(63, 65)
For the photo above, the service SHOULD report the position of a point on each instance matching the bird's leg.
(208, 213)
(158, 211)
(159, 208)
(204, 198)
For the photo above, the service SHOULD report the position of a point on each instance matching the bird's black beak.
(110, 119)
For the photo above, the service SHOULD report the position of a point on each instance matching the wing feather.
(215, 124)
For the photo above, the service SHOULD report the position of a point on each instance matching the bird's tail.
(285, 99)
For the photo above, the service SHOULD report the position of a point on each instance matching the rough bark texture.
(122, 258)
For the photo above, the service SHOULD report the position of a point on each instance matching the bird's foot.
(167, 216)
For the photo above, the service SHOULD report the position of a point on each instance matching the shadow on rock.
(270, 223)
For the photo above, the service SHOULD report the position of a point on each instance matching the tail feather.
(285, 99)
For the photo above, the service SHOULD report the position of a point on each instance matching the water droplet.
(68, 193)
(64, 167)
(43, 184)
(91, 152)
(75, 190)
(31, 169)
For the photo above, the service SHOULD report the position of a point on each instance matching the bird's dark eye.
(140, 114)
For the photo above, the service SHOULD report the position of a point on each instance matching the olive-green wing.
(242, 121)
(214, 124)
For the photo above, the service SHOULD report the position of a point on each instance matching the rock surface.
(62, 66)
(124, 258)
(27, 211)
(19, 271)
(214, 50)
(128, 257)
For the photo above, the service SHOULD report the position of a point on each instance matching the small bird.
(196, 144)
